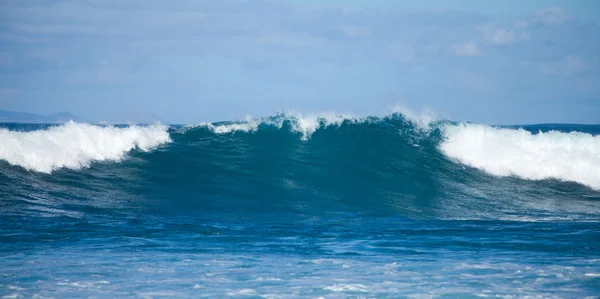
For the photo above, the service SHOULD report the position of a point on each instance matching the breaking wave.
(572, 156)
(305, 125)
(566, 156)
(76, 145)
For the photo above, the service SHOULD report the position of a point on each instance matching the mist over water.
(296, 206)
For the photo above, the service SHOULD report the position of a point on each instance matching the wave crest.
(307, 125)
(76, 145)
(573, 156)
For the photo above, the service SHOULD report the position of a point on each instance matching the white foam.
(242, 292)
(571, 156)
(306, 125)
(249, 126)
(347, 288)
(421, 120)
(76, 145)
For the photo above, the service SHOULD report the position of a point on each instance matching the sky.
(184, 61)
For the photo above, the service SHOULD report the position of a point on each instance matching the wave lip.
(573, 156)
(307, 125)
(76, 145)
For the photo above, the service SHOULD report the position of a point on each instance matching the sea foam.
(76, 145)
(573, 156)
(306, 125)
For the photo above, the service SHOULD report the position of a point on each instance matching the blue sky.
(187, 61)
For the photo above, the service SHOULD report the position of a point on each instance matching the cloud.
(468, 49)
(552, 16)
(355, 31)
(543, 22)
(500, 36)
(290, 39)
(570, 65)
(524, 36)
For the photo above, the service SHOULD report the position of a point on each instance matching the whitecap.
(76, 145)
(573, 156)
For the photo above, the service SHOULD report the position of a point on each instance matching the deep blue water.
(284, 207)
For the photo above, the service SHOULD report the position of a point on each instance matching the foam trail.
(76, 145)
(571, 156)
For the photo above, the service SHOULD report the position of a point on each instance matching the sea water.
(287, 206)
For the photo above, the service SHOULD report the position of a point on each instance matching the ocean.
(330, 206)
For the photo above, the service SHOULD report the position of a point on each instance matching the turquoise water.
(292, 207)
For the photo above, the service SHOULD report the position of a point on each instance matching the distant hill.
(23, 117)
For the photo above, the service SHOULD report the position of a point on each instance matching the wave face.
(328, 205)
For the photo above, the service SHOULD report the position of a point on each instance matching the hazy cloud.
(553, 16)
(502, 36)
(468, 49)
(570, 65)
